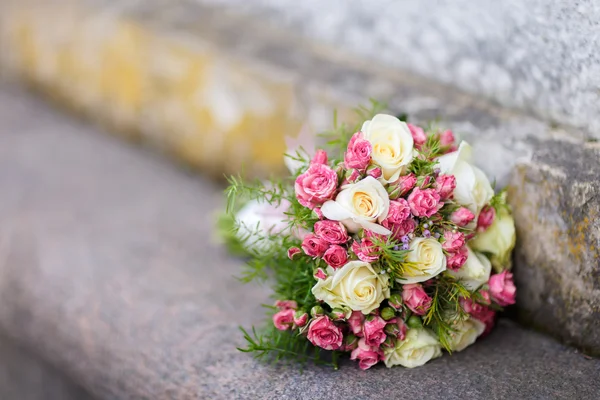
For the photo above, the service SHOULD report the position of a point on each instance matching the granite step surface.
(109, 272)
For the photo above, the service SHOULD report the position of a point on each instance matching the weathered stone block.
(556, 202)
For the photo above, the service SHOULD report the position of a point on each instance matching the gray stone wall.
(541, 56)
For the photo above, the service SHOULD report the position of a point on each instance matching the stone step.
(109, 273)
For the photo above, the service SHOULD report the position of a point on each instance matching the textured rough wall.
(538, 55)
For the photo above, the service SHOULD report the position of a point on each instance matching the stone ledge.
(556, 202)
(161, 71)
(108, 273)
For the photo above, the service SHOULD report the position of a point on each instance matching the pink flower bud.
(358, 154)
(337, 314)
(333, 232)
(403, 185)
(415, 298)
(300, 318)
(462, 217)
(320, 274)
(350, 342)
(453, 241)
(390, 342)
(447, 139)
(374, 171)
(314, 246)
(373, 331)
(322, 332)
(502, 288)
(395, 301)
(445, 185)
(286, 304)
(352, 176)
(424, 202)
(320, 157)
(419, 136)
(403, 228)
(457, 259)
(402, 328)
(366, 355)
(318, 212)
(355, 322)
(284, 319)
(292, 251)
(336, 256)
(365, 250)
(486, 218)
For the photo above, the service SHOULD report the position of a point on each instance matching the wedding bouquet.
(391, 247)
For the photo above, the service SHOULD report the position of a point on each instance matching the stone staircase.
(111, 287)
(112, 283)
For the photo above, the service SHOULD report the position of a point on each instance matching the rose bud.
(414, 322)
(486, 218)
(337, 314)
(355, 322)
(320, 274)
(395, 301)
(462, 217)
(300, 318)
(415, 298)
(392, 329)
(283, 319)
(447, 139)
(352, 175)
(445, 185)
(402, 186)
(318, 213)
(317, 311)
(388, 313)
(419, 136)
(320, 157)
(389, 342)
(293, 251)
(502, 288)
(285, 304)
(374, 171)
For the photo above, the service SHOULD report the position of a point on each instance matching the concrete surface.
(537, 55)
(107, 271)
(556, 203)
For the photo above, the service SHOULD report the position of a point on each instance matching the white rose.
(465, 334)
(392, 144)
(419, 346)
(498, 240)
(426, 260)
(473, 189)
(258, 219)
(359, 205)
(356, 285)
(475, 272)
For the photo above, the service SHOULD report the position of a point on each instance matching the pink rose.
(502, 288)
(283, 319)
(424, 202)
(453, 241)
(398, 211)
(314, 246)
(300, 318)
(358, 154)
(415, 298)
(320, 274)
(315, 186)
(445, 185)
(373, 331)
(447, 140)
(336, 256)
(403, 228)
(462, 216)
(473, 308)
(419, 136)
(403, 185)
(375, 172)
(292, 251)
(333, 232)
(486, 218)
(320, 157)
(286, 304)
(365, 250)
(366, 355)
(322, 332)
(355, 322)
(457, 259)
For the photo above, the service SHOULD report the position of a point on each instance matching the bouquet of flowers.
(391, 247)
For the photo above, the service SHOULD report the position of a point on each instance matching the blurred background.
(99, 238)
